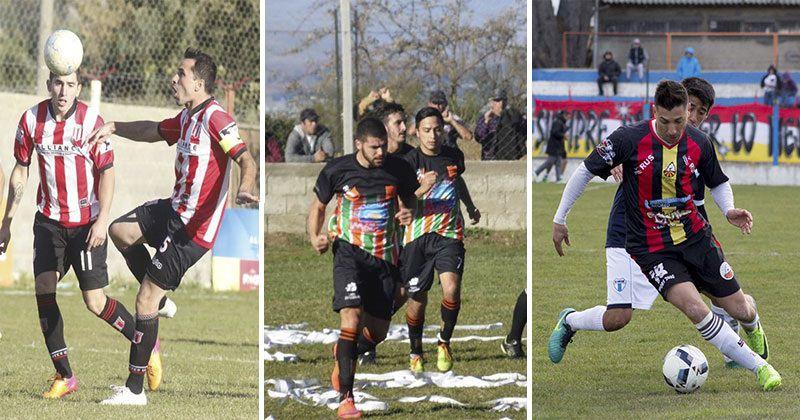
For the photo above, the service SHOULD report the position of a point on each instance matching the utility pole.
(355, 51)
(595, 53)
(337, 64)
(347, 77)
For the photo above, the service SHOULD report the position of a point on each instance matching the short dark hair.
(371, 127)
(389, 108)
(204, 67)
(428, 112)
(700, 88)
(670, 94)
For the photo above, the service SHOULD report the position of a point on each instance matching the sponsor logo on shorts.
(726, 271)
(164, 245)
(119, 324)
(619, 284)
(137, 337)
(157, 263)
(661, 276)
(412, 285)
(351, 290)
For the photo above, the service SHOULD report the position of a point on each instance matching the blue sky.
(283, 17)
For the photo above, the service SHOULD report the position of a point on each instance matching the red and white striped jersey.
(207, 139)
(69, 170)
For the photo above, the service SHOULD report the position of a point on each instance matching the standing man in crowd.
(501, 130)
(309, 141)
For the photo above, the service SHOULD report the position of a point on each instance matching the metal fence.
(134, 46)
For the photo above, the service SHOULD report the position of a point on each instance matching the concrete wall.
(497, 188)
(739, 173)
(143, 172)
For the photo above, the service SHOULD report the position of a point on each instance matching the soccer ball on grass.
(63, 52)
(685, 368)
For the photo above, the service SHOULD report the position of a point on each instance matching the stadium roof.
(705, 2)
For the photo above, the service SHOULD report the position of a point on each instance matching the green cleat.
(560, 337)
(757, 341)
(768, 377)
(416, 364)
(444, 357)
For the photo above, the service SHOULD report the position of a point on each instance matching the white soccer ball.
(63, 52)
(685, 368)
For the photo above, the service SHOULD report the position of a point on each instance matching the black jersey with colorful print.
(658, 183)
(367, 201)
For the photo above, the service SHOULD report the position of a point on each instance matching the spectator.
(608, 72)
(454, 127)
(555, 148)
(689, 66)
(309, 141)
(788, 90)
(637, 59)
(771, 84)
(501, 130)
(273, 154)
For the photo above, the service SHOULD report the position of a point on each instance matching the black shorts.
(426, 253)
(57, 248)
(164, 230)
(361, 279)
(700, 262)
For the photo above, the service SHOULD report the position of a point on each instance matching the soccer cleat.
(335, 372)
(444, 357)
(768, 377)
(169, 309)
(61, 387)
(560, 337)
(368, 358)
(155, 370)
(757, 341)
(124, 396)
(416, 364)
(348, 410)
(512, 349)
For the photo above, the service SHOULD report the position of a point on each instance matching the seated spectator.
(771, 83)
(689, 65)
(637, 59)
(309, 141)
(788, 90)
(501, 131)
(608, 72)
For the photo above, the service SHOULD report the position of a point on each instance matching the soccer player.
(183, 227)
(627, 288)
(74, 196)
(434, 240)
(372, 188)
(666, 236)
(393, 116)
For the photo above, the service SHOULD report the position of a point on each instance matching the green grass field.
(299, 288)
(619, 374)
(210, 353)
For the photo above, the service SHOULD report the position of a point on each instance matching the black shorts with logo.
(164, 230)
(57, 248)
(361, 279)
(426, 253)
(700, 262)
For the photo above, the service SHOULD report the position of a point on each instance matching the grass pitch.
(210, 354)
(299, 288)
(619, 374)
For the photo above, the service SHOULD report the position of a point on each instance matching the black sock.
(365, 342)
(346, 357)
(449, 317)
(415, 327)
(53, 331)
(141, 347)
(115, 314)
(520, 317)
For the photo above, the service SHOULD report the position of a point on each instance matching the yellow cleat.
(155, 370)
(444, 357)
(61, 387)
(416, 364)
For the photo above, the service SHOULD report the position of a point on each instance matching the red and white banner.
(741, 133)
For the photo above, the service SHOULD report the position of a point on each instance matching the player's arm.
(105, 191)
(466, 198)
(247, 179)
(572, 191)
(721, 190)
(16, 187)
(316, 217)
(426, 182)
(140, 131)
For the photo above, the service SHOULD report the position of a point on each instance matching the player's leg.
(417, 265)
(743, 309)
(450, 307)
(512, 345)
(415, 319)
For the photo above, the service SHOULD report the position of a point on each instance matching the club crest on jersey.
(77, 135)
(606, 151)
(350, 193)
(669, 171)
(452, 171)
(619, 285)
(726, 271)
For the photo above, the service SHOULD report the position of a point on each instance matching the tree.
(573, 15)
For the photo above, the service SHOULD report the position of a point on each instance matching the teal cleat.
(560, 337)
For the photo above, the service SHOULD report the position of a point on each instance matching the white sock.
(726, 317)
(721, 336)
(750, 326)
(590, 319)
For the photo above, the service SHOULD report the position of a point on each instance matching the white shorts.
(627, 286)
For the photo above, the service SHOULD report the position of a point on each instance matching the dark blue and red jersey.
(658, 183)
